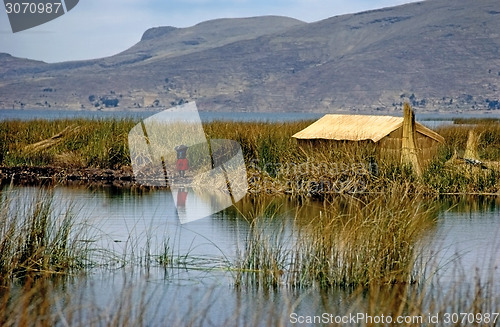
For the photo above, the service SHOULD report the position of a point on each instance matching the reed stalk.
(355, 241)
(35, 239)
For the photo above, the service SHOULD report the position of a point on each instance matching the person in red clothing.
(182, 163)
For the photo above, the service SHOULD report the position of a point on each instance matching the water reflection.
(466, 225)
(461, 242)
(466, 244)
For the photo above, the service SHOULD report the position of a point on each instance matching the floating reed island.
(280, 157)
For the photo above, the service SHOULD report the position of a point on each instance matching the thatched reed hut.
(399, 139)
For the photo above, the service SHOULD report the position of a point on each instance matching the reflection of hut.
(396, 138)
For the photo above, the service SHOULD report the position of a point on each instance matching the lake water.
(29, 114)
(200, 290)
(464, 243)
(431, 120)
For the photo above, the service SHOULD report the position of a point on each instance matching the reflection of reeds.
(471, 301)
(356, 241)
(34, 241)
(364, 246)
(137, 302)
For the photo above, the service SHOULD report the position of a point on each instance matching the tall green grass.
(354, 241)
(366, 246)
(489, 138)
(449, 174)
(137, 302)
(90, 143)
(35, 240)
(275, 161)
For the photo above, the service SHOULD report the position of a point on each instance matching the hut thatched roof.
(358, 128)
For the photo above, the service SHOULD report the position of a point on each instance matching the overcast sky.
(99, 28)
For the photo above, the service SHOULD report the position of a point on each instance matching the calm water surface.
(431, 120)
(463, 243)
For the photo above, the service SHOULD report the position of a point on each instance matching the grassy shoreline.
(97, 151)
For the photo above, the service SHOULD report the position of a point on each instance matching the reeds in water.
(35, 239)
(355, 241)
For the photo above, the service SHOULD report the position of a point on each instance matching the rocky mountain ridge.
(440, 55)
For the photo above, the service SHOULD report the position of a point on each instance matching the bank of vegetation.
(275, 162)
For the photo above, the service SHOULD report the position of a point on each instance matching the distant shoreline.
(241, 116)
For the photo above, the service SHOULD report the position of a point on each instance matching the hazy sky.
(99, 28)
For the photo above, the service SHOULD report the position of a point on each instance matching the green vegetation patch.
(275, 161)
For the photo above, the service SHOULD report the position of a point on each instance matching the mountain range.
(439, 55)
